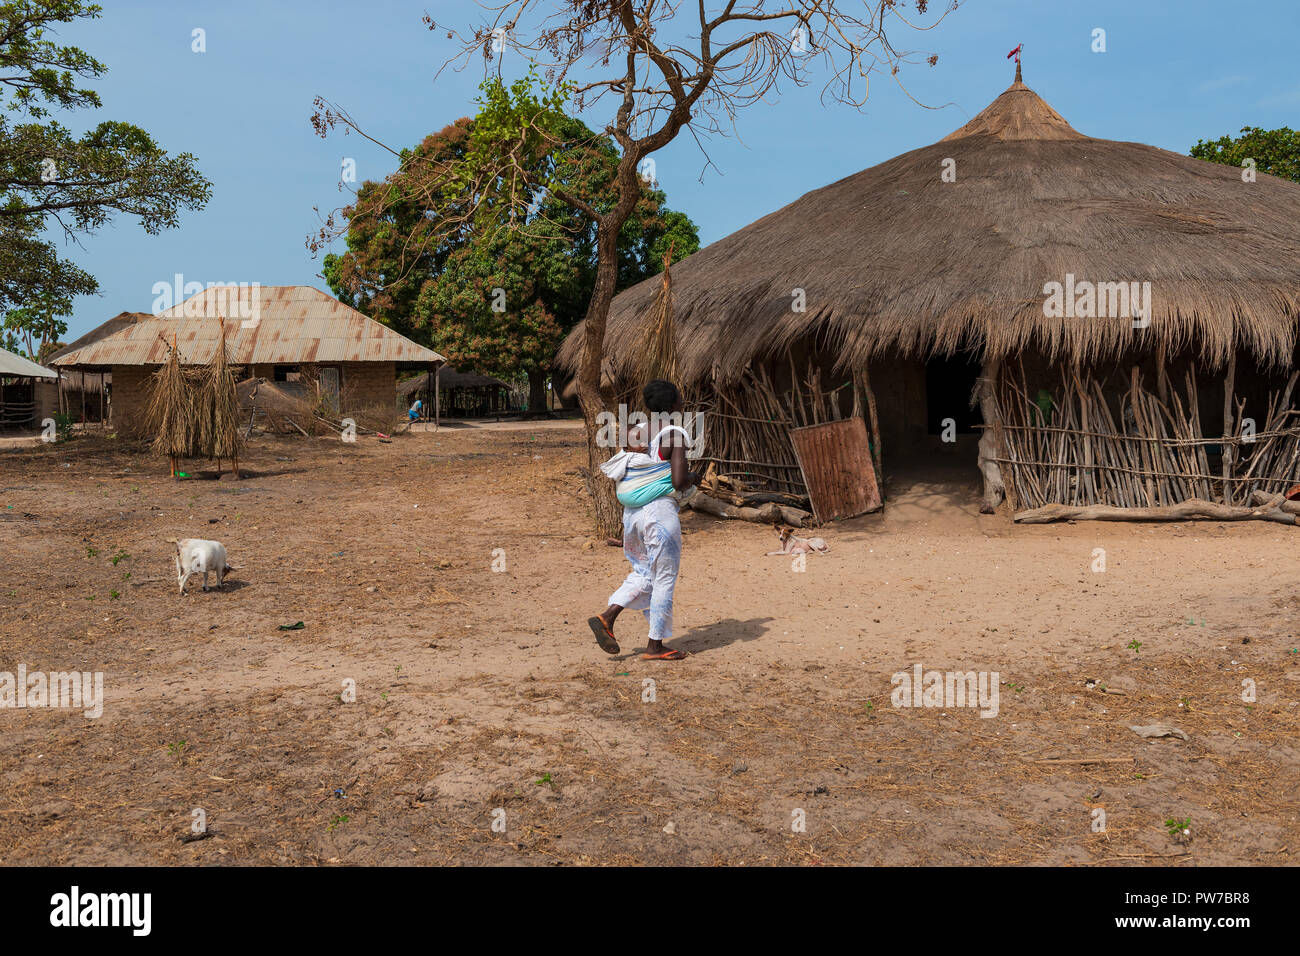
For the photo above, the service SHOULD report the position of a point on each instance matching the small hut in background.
(87, 396)
(19, 405)
(448, 393)
(1117, 320)
(283, 334)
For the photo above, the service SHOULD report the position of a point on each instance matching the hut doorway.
(949, 383)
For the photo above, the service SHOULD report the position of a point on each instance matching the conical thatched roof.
(894, 258)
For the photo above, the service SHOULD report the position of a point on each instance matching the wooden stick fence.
(1153, 454)
(748, 425)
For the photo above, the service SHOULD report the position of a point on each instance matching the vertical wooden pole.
(1087, 484)
(1162, 380)
(992, 440)
(1229, 450)
(877, 454)
(437, 399)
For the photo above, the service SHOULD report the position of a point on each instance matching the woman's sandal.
(604, 636)
(665, 655)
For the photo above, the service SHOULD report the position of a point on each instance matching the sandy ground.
(481, 696)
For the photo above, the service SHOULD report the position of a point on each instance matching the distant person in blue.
(414, 413)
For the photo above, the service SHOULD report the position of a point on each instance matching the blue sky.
(1171, 73)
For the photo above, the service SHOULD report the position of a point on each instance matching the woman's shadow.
(699, 640)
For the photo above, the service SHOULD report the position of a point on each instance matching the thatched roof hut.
(448, 377)
(895, 258)
(460, 394)
(948, 250)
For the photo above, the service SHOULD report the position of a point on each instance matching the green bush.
(63, 425)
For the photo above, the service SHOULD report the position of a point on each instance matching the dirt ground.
(480, 691)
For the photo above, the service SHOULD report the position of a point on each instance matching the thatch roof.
(284, 398)
(894, 258)
(289, 325)
(448, 377)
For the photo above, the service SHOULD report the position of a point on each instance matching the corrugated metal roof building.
(19, 367)
(18, 399)
(275, 332)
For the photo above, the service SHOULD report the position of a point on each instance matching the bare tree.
(660, 66)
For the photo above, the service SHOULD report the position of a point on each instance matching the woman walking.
(652, 534)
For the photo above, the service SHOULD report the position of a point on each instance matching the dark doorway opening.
(948, 386)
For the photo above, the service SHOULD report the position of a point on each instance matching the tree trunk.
(992, 444)
(537, 392)
(770, 513)
(593, 397)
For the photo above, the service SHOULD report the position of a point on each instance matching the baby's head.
(638, 438)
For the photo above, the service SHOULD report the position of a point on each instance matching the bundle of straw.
(171, 411)
(219, 408)
(659, 347)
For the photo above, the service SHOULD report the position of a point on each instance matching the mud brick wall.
(130, 399)
(46, 394)
(364, 385)
(369, 384)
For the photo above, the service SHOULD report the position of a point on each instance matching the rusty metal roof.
(116, 324)
(273, 325)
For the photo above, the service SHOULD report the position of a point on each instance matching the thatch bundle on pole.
(195, 412)
(171, 411)
(219, 405)
(659, 345)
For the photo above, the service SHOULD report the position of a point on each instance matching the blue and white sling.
(646, 477)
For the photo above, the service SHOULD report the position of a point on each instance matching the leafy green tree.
(50, 177)
(32, 270)
(650, 70)
(35, 327)
(490, 309)
(496, 295)
(1274, 151)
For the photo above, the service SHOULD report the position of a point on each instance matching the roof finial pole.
(1016, 54)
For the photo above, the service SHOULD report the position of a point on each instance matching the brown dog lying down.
(793, 544)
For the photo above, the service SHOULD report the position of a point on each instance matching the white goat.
(194, 555)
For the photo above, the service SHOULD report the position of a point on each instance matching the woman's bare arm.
(683, 477)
